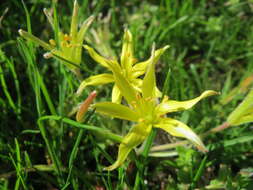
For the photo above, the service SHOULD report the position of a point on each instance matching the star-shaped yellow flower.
(145, 110)
(69, 49)
(127, 66)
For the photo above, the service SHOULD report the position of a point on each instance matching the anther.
(52, 42)
(66, 37)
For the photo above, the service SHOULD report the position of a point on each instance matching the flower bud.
(84, 107)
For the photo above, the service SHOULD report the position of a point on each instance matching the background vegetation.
(211, 47)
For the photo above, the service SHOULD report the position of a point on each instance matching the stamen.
(66, 37)
(141, 120)
(52, 42)
(138, 96)
(63, 44)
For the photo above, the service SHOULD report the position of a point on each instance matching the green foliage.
(41, 144)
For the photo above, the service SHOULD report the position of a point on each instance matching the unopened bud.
(84, 107)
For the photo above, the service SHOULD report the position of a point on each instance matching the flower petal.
(136, 136)
(126, 58)
(74, 21)
(123, 84)
(95, 80)
(149, 81)
(116, 110)
(83, 29)
(34, 39)
(116, 95)
(168, 106)
(137, 84)
(243, 109)
(244, 119)
(158, 93)
(179, 129)
(98, 58)
(140, 68)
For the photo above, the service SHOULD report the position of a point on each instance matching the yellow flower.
(145, 110)
(69, 48)
(243, 113)
(127, 66)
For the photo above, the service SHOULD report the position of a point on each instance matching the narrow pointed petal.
(244, 119)
(74, 21)
(98, 58)
(95, 80)
(124, 86)
(34, 39)
(135, 137)
(137, 84)
(49, 17)
(126, 59)
(140, 68)
(83, 29)
(116, 95)
(158, 93)
(116, 110)
(149, 81)
(244, 108)
(168, 106)
(64, 57)
(179, 129)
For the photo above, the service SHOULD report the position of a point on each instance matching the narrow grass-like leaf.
(51, 151)
(199, 172)
(5, 90)
(56, 23)
(166, 84)
(238, 140)
(73, 123)
(18, 167)
(28, 19)
(75, 150)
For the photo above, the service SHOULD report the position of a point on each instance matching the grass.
(43, 147)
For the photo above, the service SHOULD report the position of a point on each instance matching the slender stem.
(73, 123)
(219, 128)
(149, 142)
(168, 146)
(74, 151)
(140, 173)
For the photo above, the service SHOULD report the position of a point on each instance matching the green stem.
(73, 123)
(75, 150)
(149, 142)
(140, 173)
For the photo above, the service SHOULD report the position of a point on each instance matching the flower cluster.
(67, 47)
(146, 112)
(144, 106)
